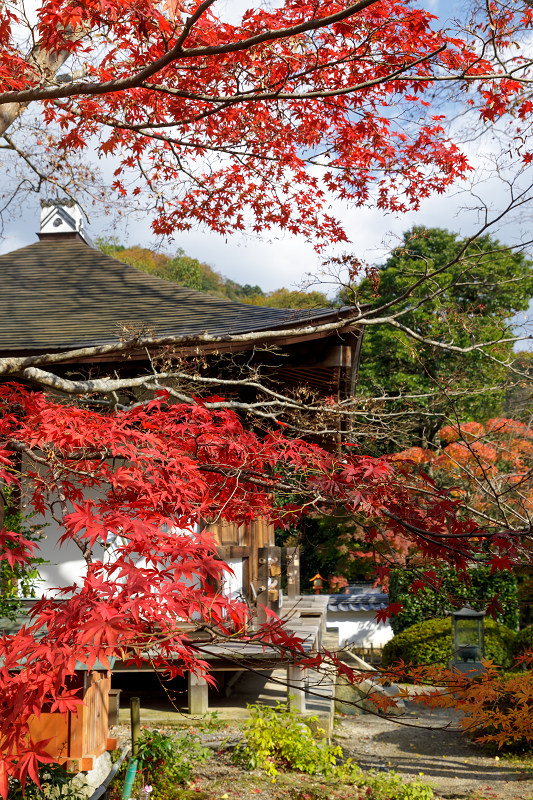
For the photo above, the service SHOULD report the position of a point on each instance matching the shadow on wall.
(359, 628)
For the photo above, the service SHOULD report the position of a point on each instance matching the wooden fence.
(372, 654)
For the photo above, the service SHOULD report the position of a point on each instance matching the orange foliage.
(415, 454)
(465, 430)
(492, 707)
(487, 466)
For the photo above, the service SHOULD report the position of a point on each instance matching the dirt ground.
(420, 743)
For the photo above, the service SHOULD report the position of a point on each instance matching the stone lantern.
(318, 582)
(468, 640)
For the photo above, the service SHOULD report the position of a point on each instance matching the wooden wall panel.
(76, 738)
(227, 534)
(55, 727)
(96, 713)
(257, 533)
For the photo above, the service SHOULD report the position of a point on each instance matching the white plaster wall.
(359, 628)
(232, 586)
(66, 565)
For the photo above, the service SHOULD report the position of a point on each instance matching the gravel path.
(449, 761)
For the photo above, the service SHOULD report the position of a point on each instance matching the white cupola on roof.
(62, 217)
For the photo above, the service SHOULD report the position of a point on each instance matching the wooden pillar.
(293, 572)
(296, 688)
(198, 698)
(274, 579)
(135, 714)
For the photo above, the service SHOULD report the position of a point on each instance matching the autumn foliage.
(487, 467)
(255, 123)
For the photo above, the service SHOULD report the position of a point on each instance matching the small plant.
(276, 738)
(211, 721)
(56, 784)
(166, 762)
(391, 786)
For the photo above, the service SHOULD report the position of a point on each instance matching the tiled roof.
(60, 294)
(370, 600)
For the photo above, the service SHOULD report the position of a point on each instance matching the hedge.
(430, 642)
(430, 604)
(523, 641)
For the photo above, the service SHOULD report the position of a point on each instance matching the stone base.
(355, 699)
(84, 783)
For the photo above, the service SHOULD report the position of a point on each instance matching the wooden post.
(296, 687)
(262, 583)
(274, 579)
(293, 572)
(269, 580)
(135, 712)
(198, 694)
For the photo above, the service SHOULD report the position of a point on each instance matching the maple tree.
(487, 467)
(254, 123)
(159, 468)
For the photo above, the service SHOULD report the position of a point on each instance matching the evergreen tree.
(471, 301)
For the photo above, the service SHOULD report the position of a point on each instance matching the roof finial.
(62, 218)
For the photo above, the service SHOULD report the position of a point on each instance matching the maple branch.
(472, 509)
(19, 447)
(43, 63)
(176, 53)
(428, 277)
(83, 545)
(250, 96)
(11, 365)
(43, 178)
(393, 322)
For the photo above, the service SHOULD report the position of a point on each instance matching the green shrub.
(430, 642)
(430, 603)
(523, 641)
(275, 737)
(391, 786)
(56, 783)
(166, 763)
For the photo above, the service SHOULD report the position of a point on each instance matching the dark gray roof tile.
(62, 294)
